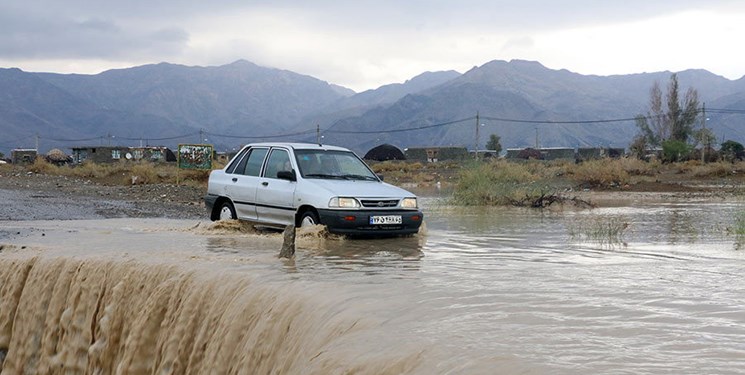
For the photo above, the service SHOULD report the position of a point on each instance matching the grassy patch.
(599, 174)
(499, 183)
(604, 231)
(124, 172)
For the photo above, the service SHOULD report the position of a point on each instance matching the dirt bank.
(31, 196)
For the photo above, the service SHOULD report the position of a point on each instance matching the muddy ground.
(26, 195)
(31, 196)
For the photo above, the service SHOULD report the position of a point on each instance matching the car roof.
(299, 146)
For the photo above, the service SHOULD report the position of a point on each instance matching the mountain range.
(523, 102)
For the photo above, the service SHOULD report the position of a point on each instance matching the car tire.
(309, 218)
(227, 211)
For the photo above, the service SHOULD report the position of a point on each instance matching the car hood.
(358, 188)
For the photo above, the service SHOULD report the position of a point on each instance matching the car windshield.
(327, 164)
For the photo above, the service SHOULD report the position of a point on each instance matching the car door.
(245, 181)
(275, 196)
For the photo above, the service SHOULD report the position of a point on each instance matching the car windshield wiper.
(359, 177)
(322, 175)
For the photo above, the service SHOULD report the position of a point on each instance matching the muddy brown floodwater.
(647, 284)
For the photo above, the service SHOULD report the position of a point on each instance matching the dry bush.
(88, 170)
(719, 169)
(142, 173)
(42, 166)
(396, 166)
(637, 167)
(194, 175)
(603, 173)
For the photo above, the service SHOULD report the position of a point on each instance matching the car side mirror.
(380, 176)
(287, 175)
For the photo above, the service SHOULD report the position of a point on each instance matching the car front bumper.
(357, 222)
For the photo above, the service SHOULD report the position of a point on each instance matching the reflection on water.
(637, 287)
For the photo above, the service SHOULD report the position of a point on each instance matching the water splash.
(108, 317)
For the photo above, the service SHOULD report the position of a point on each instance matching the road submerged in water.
(481, 290)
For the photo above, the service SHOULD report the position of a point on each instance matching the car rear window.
(254, 161)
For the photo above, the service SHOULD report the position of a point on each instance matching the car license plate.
(388, 219)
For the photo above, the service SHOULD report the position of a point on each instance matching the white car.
(278, 184)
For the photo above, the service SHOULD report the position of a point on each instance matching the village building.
(113, 154)
(23, 155)
(434, 154)
(565, 153)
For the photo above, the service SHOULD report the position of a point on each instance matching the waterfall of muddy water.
(645, 286)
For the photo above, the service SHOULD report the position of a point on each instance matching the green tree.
(675, 151)
(493, 143)
(732, 150)
(669, 118)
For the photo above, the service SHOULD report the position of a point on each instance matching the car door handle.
(235, 179)
(265, 183)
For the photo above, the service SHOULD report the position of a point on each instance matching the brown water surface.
(642, 286)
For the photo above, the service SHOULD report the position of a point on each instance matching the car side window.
(238, 163)
(279, 160)
(254, 161)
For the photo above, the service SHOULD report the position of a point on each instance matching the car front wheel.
(227, 211)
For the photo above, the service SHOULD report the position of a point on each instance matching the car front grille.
(379, 203)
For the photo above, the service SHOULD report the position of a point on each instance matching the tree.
(493, 143)
(732, 150)
(675, 151)
(638, 147)
(669, 119)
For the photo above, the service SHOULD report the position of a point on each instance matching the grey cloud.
(45, 37)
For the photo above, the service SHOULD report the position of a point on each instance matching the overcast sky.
(364, 44)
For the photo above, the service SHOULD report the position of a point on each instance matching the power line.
(156, 139)
(335, 124)
(259, 136)
(577, 122)
(71, 140)
(401, 130)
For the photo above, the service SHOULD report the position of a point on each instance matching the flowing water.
(646, 285)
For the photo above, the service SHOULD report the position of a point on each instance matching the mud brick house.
(113, 154)
(433, 154)
(23, 155)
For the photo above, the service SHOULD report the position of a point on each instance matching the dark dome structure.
(385, 152)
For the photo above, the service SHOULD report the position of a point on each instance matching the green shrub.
(675, 151)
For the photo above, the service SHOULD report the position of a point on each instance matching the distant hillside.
(156, 104)
(239, 98)
(242, 102)
(525, 90)
(31, 107)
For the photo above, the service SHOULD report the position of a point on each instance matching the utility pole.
(476, 150)
(704, 137)
(37, 142)
(201, 137)
(318, 134)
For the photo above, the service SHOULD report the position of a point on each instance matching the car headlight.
(408, 203)
(341, 202)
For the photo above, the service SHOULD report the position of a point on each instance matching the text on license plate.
(388, 219)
